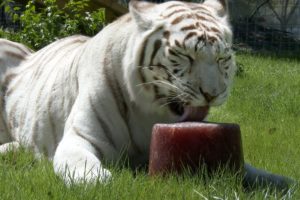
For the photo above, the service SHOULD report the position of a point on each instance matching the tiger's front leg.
(75, 161)
(79, 154)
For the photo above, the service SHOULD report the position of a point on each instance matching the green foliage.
(43, 25)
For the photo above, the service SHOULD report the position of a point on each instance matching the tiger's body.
(83, 100)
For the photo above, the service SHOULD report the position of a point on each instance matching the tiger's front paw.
(76, 162)
(92, 176)
(104, 176)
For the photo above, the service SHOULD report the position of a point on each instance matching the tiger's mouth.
(189, 113)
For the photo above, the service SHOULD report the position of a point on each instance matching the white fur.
(12, 54)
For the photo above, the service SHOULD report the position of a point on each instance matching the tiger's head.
(182, 58)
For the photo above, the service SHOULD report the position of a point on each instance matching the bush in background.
(40, 26)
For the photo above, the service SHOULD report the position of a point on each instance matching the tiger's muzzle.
(189, 113)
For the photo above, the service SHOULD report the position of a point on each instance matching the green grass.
(265, 101)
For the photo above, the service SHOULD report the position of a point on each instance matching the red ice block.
(194, 145)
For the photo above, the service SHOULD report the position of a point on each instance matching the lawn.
(265, 101)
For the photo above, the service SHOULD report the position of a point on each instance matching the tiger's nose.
(208, 97)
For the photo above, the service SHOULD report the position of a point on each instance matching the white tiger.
(81, 100)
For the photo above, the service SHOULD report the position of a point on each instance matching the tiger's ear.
(221, 6)
(142, 12)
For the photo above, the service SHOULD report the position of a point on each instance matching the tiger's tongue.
(194, 114)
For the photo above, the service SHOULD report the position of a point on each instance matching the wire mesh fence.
(272, 25)
(6, 19)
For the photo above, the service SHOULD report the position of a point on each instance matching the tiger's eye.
(175, 71)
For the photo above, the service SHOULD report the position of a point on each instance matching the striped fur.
(83, 100)
(11, 55)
